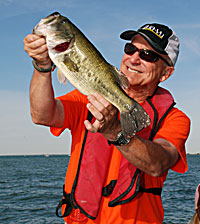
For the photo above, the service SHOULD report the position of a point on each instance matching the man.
(111, 179)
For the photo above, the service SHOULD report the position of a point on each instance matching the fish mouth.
(51, 18)
(48, 21)
(54, 14)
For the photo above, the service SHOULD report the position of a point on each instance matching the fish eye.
(63, 21)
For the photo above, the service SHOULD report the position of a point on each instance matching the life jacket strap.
(65, 201)
(155, 191)
(107, 190)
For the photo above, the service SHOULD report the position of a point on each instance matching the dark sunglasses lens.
(148, 55)
(130, 49)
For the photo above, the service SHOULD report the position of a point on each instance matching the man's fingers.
(30, 38)
(101, 104)
(96, 113)
(39, 43)
(89, 126)
(34, 43)
(36, 48)
(103, 101)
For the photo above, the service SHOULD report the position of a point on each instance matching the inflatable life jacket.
(88, 187)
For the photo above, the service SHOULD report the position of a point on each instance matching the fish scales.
(83, 65)
(89, 75)
(94, 62)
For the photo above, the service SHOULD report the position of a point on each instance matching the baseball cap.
(161, 38)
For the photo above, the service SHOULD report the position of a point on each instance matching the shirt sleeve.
(74, 104)
(175, 128)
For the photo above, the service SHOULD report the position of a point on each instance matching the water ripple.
(31, 187)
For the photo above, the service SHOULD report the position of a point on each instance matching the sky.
(102, 22)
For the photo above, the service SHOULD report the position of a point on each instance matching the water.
(31, 186)
(178, 193)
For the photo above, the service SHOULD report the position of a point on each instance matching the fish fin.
(70, 65)
(120, 78)
(61, 76)
(134, 120)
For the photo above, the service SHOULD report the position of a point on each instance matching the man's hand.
(36, 48)
(106, 115)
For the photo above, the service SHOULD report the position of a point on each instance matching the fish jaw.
(48, 28)
(43, 28)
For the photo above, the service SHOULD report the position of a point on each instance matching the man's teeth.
(131, 70)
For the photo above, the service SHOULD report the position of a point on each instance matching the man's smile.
(132, 70)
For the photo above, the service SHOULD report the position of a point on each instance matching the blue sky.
(102, 22)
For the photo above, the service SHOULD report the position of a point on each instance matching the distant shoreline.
(26, 155)
(48, 155)
(193, 154)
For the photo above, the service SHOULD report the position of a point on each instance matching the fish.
(79, 62)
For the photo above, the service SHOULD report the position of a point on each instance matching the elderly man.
(112, 179)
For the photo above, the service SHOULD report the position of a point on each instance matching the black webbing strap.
(155, 191)
(64, 201)
(107, 190)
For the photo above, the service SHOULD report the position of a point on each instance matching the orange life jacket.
(88, 187)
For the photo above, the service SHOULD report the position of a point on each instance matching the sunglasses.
(147, 55)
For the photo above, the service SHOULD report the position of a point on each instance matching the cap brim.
(129, 34)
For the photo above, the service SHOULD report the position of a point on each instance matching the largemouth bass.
(82, 64)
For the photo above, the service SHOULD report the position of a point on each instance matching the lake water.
(31, 186)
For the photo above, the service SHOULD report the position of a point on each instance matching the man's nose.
(135, 58)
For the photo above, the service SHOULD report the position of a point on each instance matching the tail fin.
(134, 120)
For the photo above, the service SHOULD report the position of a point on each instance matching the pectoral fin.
(61, 77)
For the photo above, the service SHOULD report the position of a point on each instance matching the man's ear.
(168, 71)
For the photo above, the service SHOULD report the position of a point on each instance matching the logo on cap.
(154, 30)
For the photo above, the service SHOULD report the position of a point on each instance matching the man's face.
(140, 72)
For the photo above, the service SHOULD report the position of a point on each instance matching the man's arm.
(152, 157)
(45, 110)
